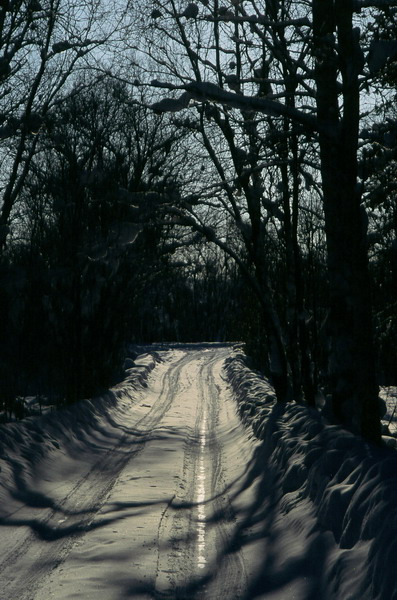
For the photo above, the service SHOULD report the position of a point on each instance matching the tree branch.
(210, 92)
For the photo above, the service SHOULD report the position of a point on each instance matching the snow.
(200, 91)
(333, 487)
(188, 480)
(389, 396)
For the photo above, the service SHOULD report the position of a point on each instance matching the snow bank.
(137, 370)
(389, 423)
(25, 443)
(350, 486)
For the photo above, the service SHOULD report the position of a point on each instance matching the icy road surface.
(149, 504)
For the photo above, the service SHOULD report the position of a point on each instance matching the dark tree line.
(70, 268)
(255, 202)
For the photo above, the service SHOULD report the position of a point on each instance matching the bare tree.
(43, 46)
(302, 64)
(88, 196)
(255, 178)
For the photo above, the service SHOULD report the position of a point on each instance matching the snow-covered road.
(157, 490)
(142, 506)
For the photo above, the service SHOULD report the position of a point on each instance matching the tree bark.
(352, 372)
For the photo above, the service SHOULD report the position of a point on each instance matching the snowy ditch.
(322, 471)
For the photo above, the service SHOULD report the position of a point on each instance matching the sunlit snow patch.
(201, 484)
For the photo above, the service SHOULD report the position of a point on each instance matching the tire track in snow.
(226, 571)
(198, 523)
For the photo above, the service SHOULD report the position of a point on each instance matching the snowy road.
(156, 490)
(146, 504)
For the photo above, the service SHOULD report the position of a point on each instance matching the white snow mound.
(321, 470)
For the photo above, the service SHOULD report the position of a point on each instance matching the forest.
(214, 171)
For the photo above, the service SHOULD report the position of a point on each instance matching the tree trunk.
(351, 371)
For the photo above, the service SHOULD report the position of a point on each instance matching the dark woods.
(206, 221)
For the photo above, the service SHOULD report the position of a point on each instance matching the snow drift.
(349, 486)
(25, 443)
